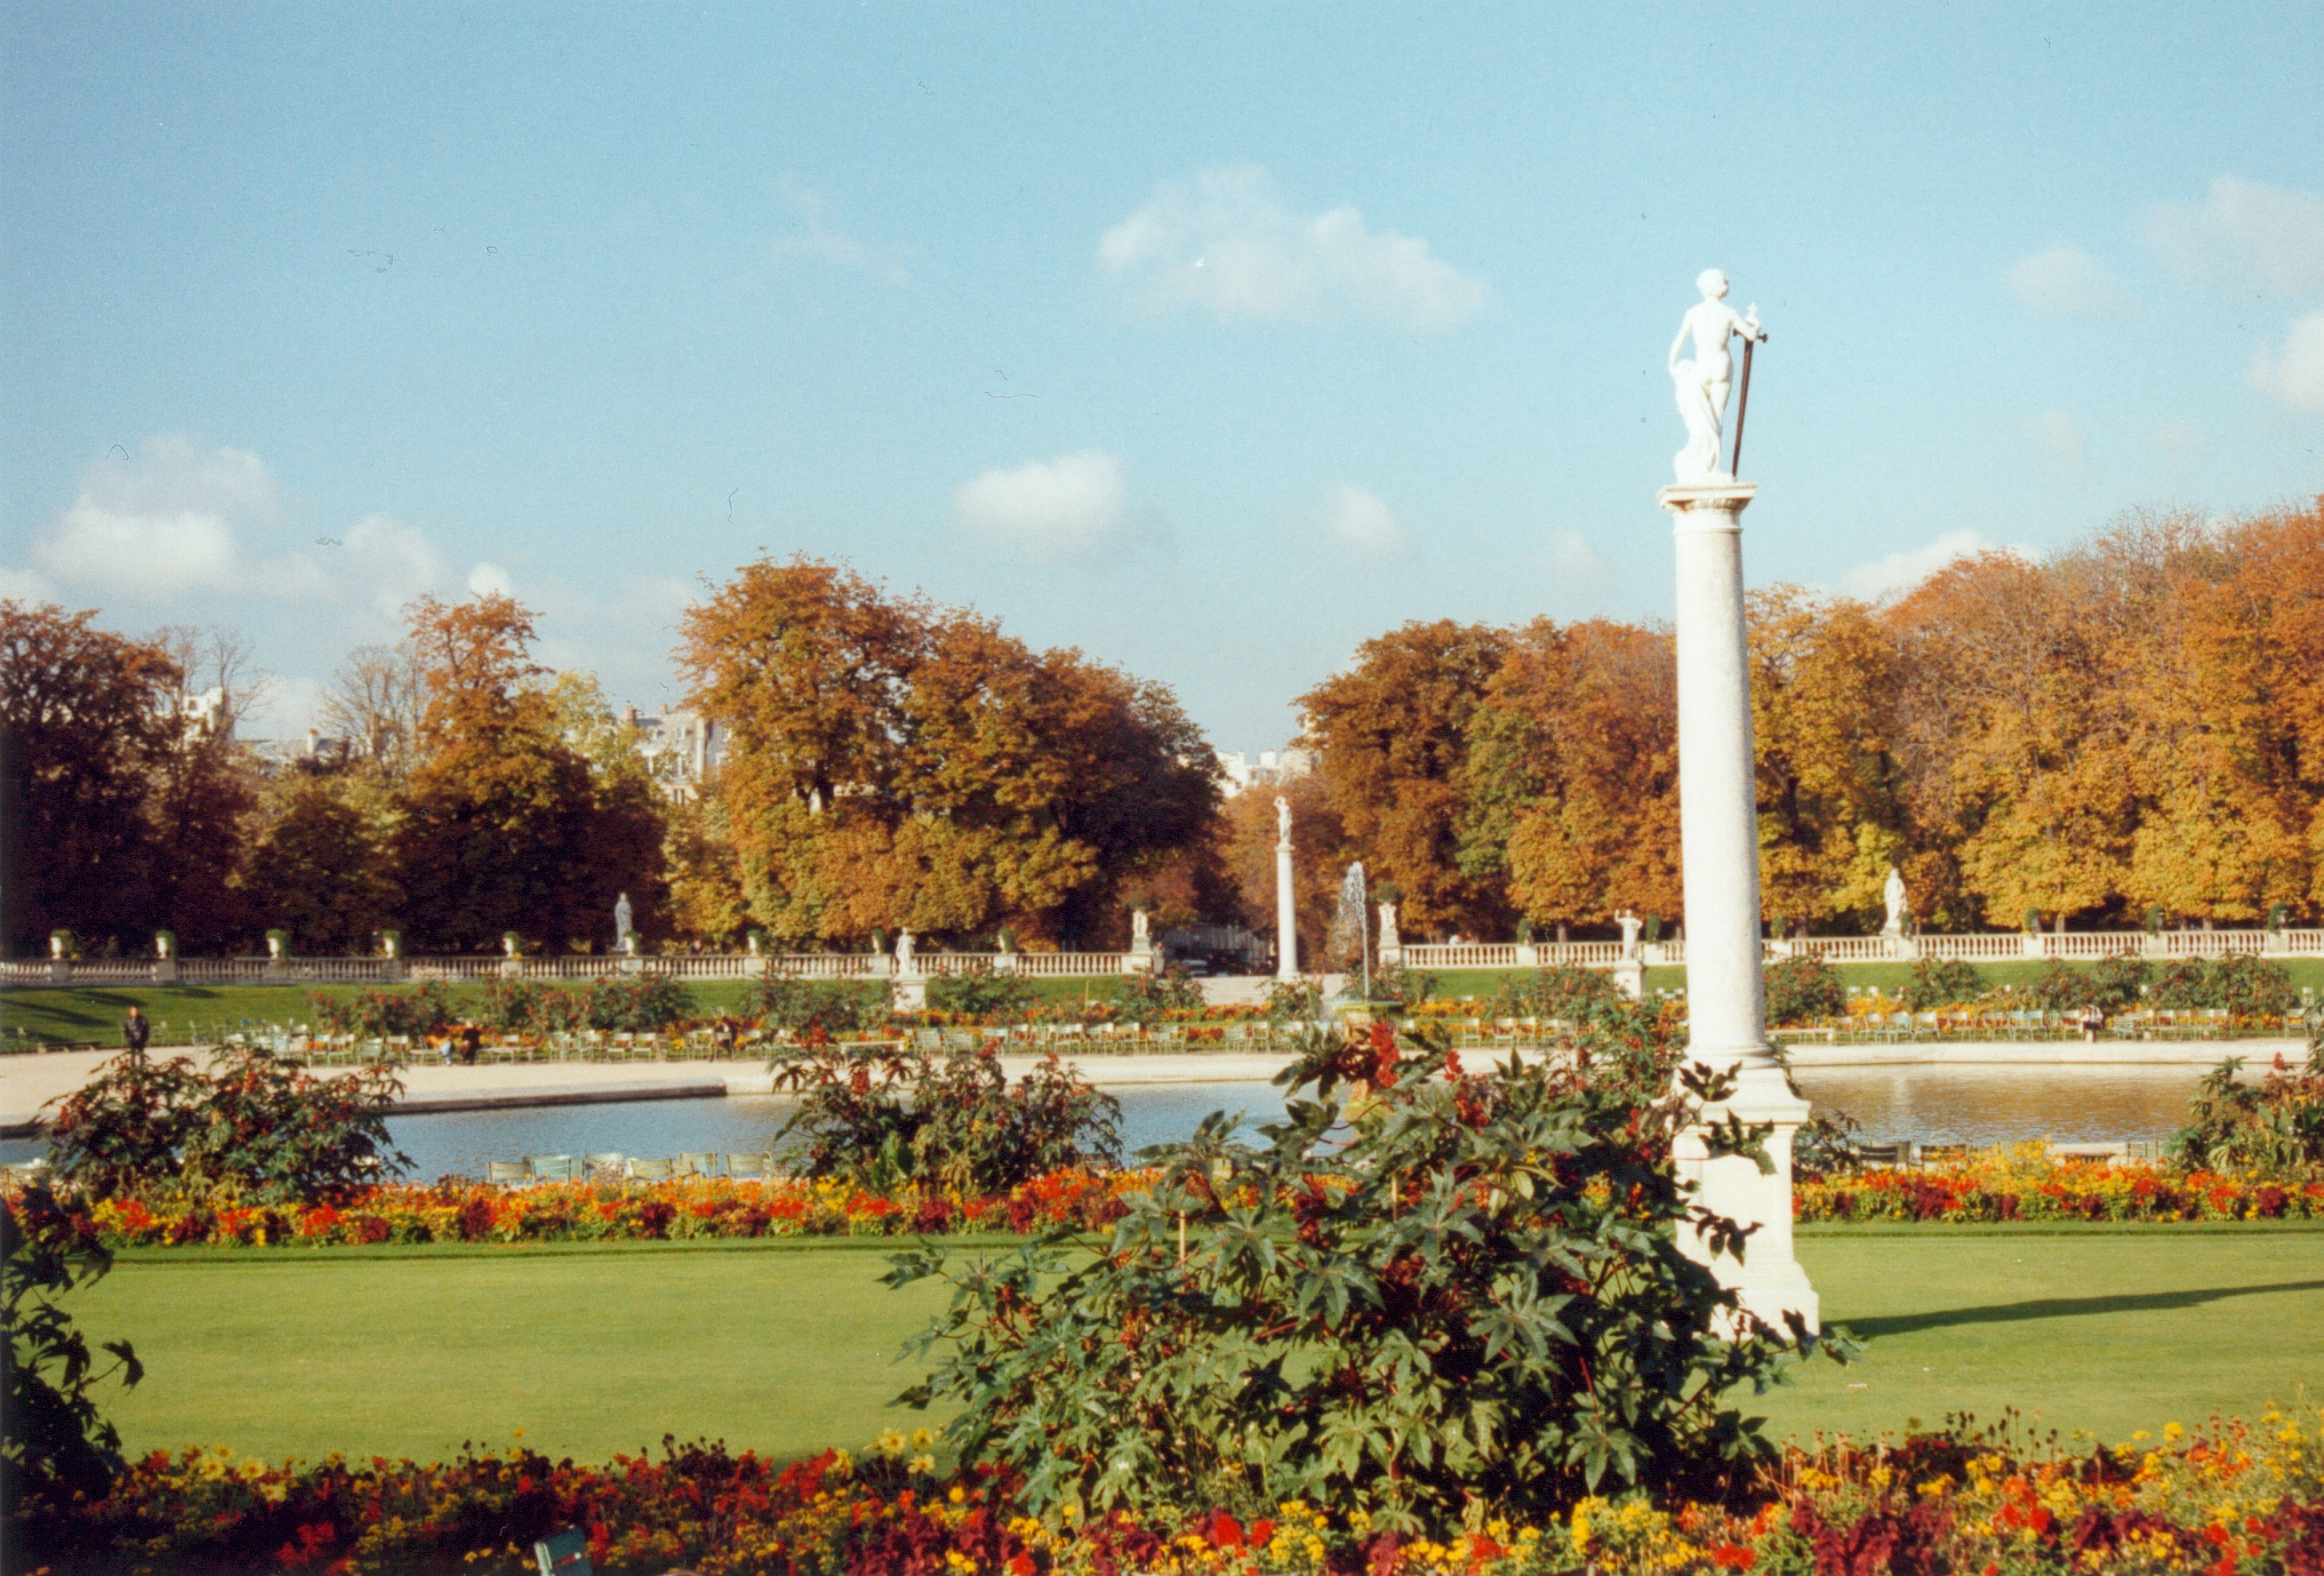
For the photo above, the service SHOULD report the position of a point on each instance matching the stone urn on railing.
(62, 950)
(278, 954)
(165, 957)
(391, 952)
(754, 954)
(512, 954)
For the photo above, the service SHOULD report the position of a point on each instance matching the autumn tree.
(373, 703)
(505, 825)
(894, 764)
(320, 866)
(86, 720)
(203, 790)
(1824, 682)
(1572, 774)
(1319, 855)
(1392, 733)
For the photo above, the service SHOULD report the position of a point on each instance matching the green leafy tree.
(1482, 1301)
(56, 1442)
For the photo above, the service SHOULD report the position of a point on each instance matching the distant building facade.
(684, 747)
(1272, 767)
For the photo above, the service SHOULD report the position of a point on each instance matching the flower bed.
(2026, 1182)
(581, 1212)
(2235, 1498)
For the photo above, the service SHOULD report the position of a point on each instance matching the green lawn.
(92, 1014)
(788, 1347)
(2307, 973)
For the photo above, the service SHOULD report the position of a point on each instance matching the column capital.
(1708, 505)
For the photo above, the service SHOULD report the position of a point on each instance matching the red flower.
(1225, 1531)
(1733, 1557)
(1262, 1532)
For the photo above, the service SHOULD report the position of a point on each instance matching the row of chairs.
(618, 1167)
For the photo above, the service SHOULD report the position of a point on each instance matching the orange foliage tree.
(504, 826)
(2133, 725)
(892, 764)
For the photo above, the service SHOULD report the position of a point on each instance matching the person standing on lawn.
(135, 1030)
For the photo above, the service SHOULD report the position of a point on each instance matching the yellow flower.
(922, 1463)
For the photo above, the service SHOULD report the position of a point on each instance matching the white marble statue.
(1703, 378)
(904, 964)
(1893, 894)
(1283, 823)
(622, 925)
(1139, 934)
(1388, 938)
(1631, 925)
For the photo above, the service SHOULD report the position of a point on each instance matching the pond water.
(1979, 1106)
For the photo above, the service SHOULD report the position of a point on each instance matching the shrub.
(2062, 987)
(1483, 1301)
(982, 993)
(880, 1116)
(55, 1441)
(1169, 990)
(1394, 985)
(252, 1127)
(1569, 994)
(2240, 984)
(2115, 981)
(1936, 984)
(1294, 1002)
(2273, 1126)
(413, 1010)
(1803, 989)
(636, 1003)
(836, 1006)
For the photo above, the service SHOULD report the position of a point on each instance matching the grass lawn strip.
(788, 1347)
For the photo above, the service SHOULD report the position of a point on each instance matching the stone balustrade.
(2081, 946)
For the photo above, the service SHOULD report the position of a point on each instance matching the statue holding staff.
(1703, 379)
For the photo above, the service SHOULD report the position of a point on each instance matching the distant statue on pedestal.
(622, 927)
(1893, 894)
(1389, 940)
(1283, 823)
(904, 964)
(1631, 925)
(1703, 379)
(1140, 938)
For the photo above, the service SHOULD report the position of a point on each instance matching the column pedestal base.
(1768, 1279)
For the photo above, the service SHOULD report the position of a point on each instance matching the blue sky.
(1210, 340)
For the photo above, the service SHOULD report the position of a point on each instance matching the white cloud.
(1356, 518)
(392, 562)
(2247, 234)
(1571, 555)
(826, 244)
(1074, 506)
(1227, 245)
(1900, 571)
(2294, 376)
(2184, 441)
(26, 585)
(2062, 443)
(168, 522)
(2065, 280)
(488, 579)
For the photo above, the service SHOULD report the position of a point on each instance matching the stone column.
(1719, 833)
(1286, 917)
